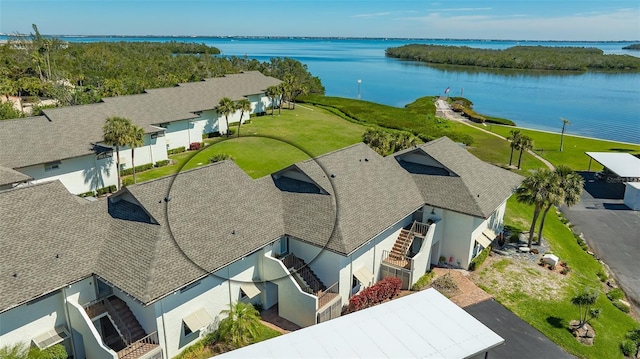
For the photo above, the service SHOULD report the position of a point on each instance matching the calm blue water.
(600, 105)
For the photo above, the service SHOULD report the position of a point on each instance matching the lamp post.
(359, 82)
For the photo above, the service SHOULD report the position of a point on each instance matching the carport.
(626, 169)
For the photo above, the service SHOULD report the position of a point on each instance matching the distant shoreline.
(320, 38)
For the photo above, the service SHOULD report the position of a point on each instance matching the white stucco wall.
(78, 175)
(457, 241)
(153, 150)
(214, 293)
(23, 323)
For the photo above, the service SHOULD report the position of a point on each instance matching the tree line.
(36, 67)
(518, 57)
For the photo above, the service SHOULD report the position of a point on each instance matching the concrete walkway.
(443, 109)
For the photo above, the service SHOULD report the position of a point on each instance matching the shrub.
(424, 281)
(105, 190)
(385, 289)
(615, 294)
(445, 285)
(479, 259)
(602, 275)
(174, 151)
(162, 163)
(629, 347)
(194, 146)
(87, 194)
(127, 181)
(141, 168)
(623, 307)
(219, 157)
(57, 351)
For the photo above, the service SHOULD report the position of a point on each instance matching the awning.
(250, 289)
(486, 238)
(51, 337)
(622, 164)
(364, 276)
(197, 320)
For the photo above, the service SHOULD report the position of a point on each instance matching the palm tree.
(116, 132)
(226, 107)
(282, 91)
(136, 139)
(565, 122)
(533, 191)
(570, 186)
(525, 144)
(272, 93)
(515, 143)
(554, 196)
(243, 106)
(240, 326)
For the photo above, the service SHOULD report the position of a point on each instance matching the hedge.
(385, 289)
(162, 163)
(424, 281)
(129, 171)
(174, 151)
(479, 259)
(105, 190)
(87, 194)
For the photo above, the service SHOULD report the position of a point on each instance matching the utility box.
(550, 259)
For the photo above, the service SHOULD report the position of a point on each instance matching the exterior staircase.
(134, 340)
(303, 272)
(401, 246)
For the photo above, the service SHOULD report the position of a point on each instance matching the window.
(105, 154)
(189, 286)
(185, 329)
(354, 282)
(52, 166)
(243, 295)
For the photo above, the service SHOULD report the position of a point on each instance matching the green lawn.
(269, 143)
(573, 155)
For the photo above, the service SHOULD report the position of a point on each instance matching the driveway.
(611, 230)
(521, 339)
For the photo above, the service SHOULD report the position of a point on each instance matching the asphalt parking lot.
(611, 230)
(521, 339)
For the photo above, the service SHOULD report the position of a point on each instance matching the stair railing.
(299, 266)
(121, 326)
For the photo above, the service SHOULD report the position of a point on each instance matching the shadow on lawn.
(556, 322)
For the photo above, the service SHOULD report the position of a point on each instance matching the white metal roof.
(421, 325)
(622, 164)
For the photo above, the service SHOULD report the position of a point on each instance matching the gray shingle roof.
(477, 188)
(370, 192)
(217, 214)
(40, 222)
(68, 132)
(9, 176)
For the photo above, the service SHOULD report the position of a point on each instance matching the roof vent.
(366, 159)
(333, 175)
(15, 275)
(57, 255)
(167, 198)
(478, 195)
(233, 231)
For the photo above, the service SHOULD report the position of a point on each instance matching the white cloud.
(386, 13)
(615, 25)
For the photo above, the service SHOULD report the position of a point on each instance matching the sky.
(602, 20)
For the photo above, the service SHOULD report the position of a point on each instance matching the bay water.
(599, 104)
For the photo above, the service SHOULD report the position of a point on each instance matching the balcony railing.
(326, 296)
(140, 347)
(405, 262)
